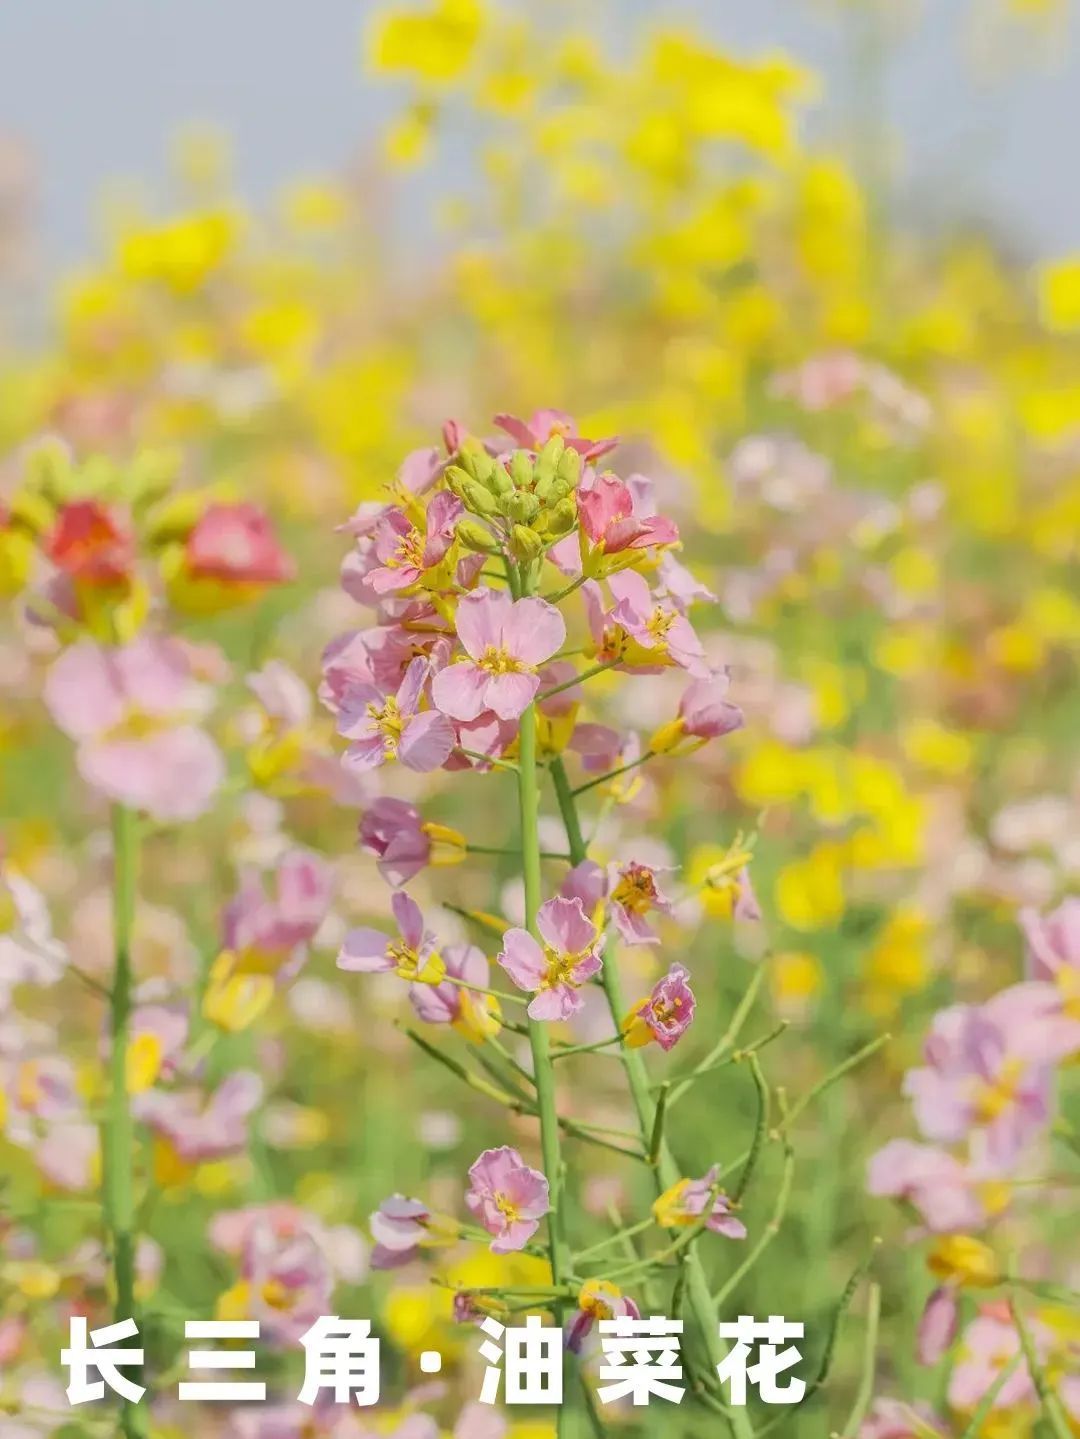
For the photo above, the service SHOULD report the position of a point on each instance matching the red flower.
(89, 543)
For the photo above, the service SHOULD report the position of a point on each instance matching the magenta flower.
(608, 518)
(392, 830)
(410, 954)
(506, 641)
(598, 1300)
(555, 970)
(534, 433)
(131, 712)
(507, 1197)
(403, 552)
(948, 1194)
(632, 893)
(385, 726)
(665, 1015)
(987, 1070)
(705, 712)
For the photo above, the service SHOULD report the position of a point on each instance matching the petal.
(510, 695)
(171, 776)
(533, 631)
(458, 691)
(479, 621)
(82, 691)
(522, 958)
(564, 925)
(364, 951)
(426, 741)
(410, 919)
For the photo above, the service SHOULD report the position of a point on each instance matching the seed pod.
(475, 536)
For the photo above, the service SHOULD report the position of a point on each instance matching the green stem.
(865, 1392)
(118, 1133)
(543, 1069)
(666, 1171)
(577, 680)
(1048, 1400)
(613, 773)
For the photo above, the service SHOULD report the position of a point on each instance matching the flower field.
(540, 775)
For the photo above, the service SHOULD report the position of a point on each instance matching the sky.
(95, 88)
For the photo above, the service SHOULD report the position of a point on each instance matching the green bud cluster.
(529, 502)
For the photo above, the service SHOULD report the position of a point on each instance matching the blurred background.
(818, 263)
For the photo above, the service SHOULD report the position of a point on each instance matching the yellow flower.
(810, 892)
(434, 44)
(964, 1260)
(1059, 294)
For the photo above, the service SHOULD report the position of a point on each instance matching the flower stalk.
(118, 1131)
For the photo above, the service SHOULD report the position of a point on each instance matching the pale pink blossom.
(555, 969)
(506, 641)
(507, 1197)
(384, 726)
(131, 712)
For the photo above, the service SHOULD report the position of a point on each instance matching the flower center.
(636, 890)
(135, 725)
(417, 968)
(499, 662)
(1068, 981)
(659, 622)
(506, 1207)
(667, 1011)
(559, 967)
(995, 1096)
(409, 553)
(390, 723)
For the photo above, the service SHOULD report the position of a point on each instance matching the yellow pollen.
(559, 968)
(636, 890)
(994, 1098)
(389, 721)
(659, 622)
(409, 553)
(498, 662)
(506, 1207)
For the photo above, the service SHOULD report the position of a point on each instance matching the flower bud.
(521, 470)
(499, 482)
(563, 518)
(478, 499)
(457, 479)
(568, 470)
(523, 508)
(476, 461)
(525, 543)
(548, 459)
(475, 536)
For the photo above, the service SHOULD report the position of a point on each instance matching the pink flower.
(200, 1127)
(506, 641)
(705, 712)
(507, 1197)
(471, 1013)
(392, 726)
(130, 711)
(534, 433)
(987, 1070)
(554, 971)
(392, 830)
(632, 893)
(236, 543)
(990, 1342)
(665, 1015)
(608, 519)
(404, 552)
(946, 1192)
(688, 1199)
(938, 1325)
(1053, 948)
(398, 1227)
(679, 586)
(290, 1263)
(642, 632)
(270, 931)
(410, 953)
